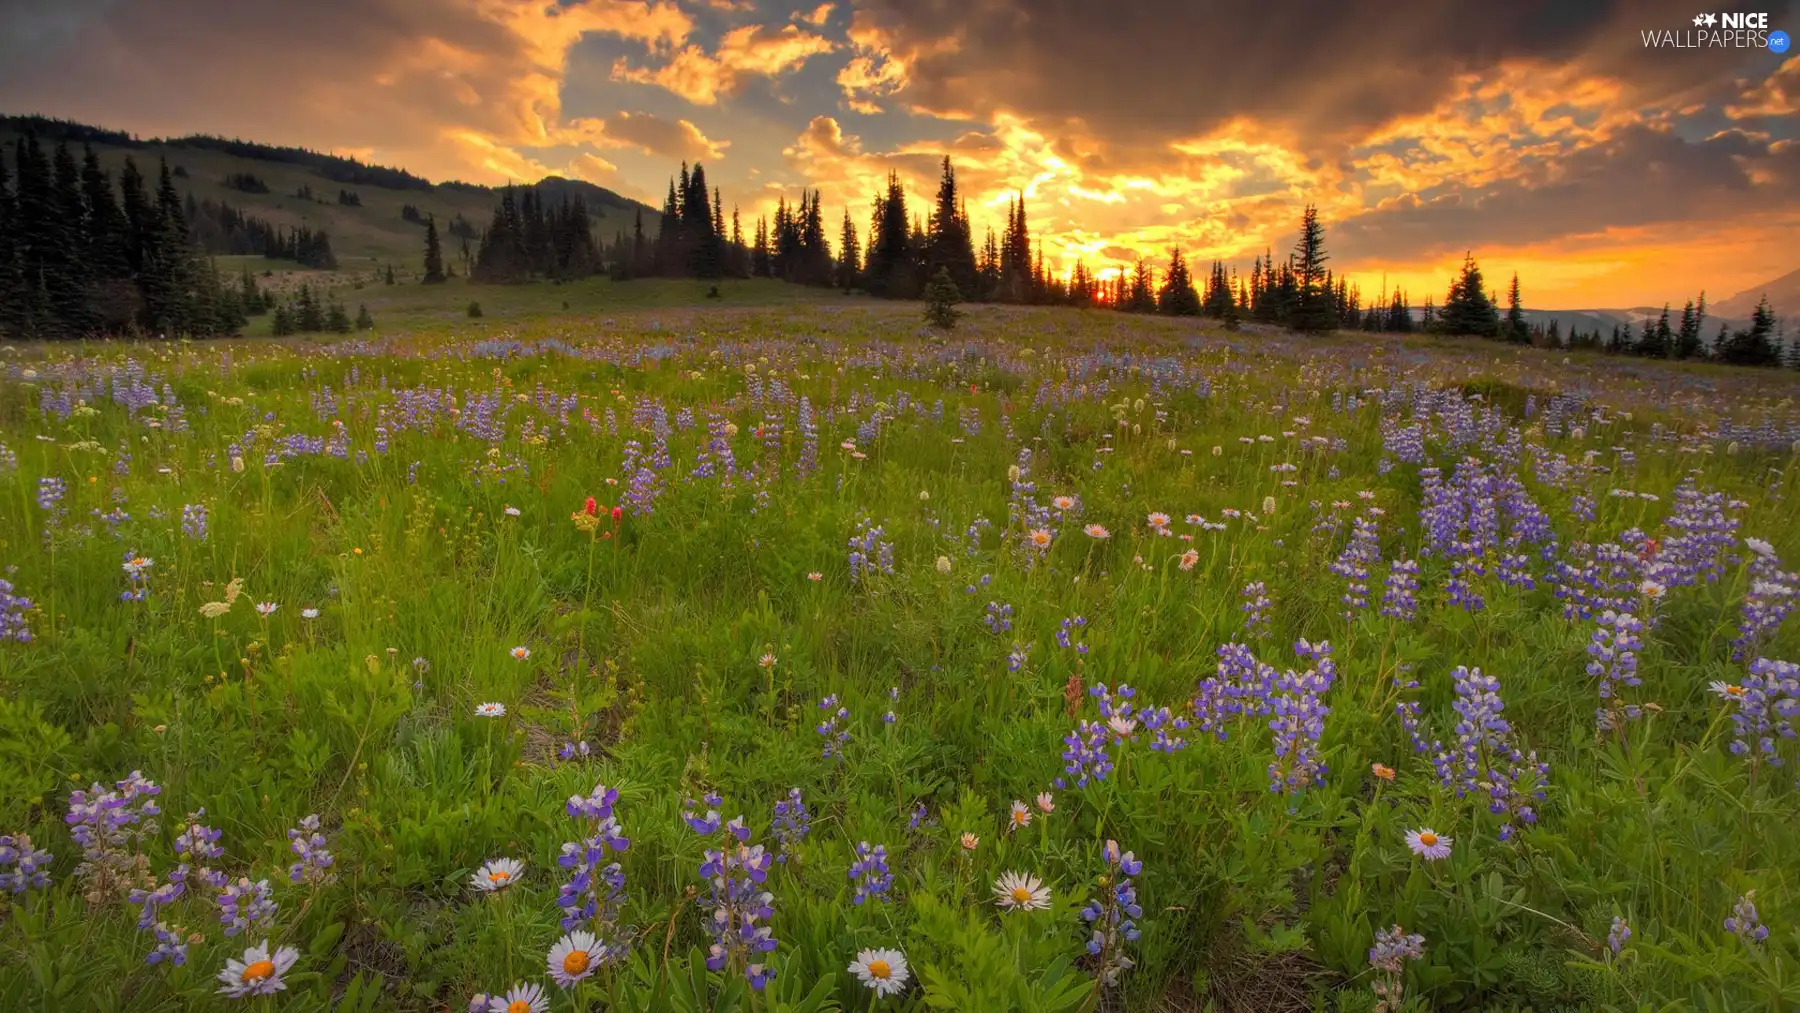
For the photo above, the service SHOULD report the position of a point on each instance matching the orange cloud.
(673, 139)
(749, 50)
(1776, 95)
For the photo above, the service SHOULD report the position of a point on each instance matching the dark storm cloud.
(1156, 69)
(1642, 177)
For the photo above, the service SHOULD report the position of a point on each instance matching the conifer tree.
(1313, 308)
(1658, 338)
(1177, 296)
(1142, 296)
(1514, 328)
(1753, 346)
(1467, 309)
(849, 264)
(364, 321)
(890, 273)
(941, 298)
(434, 254)
(948, 243)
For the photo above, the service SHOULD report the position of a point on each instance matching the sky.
(1544, 136)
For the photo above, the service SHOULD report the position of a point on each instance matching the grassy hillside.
(363, 238)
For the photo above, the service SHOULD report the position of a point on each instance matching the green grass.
(689, 646)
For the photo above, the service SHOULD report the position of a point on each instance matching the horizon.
(1608, 173)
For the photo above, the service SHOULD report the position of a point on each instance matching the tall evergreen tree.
(1467, 309)
(1313, 309)
(1755, 345)
(1659, 339)
(1142, 297)
(11, 296)
(949, 245)
(1514, 327)
(890, 271)
(107, 237)
(1177, 296)
(849, 265)
(434, 254)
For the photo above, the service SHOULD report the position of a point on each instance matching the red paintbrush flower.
(591, 507)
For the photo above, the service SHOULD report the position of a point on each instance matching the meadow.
(798, 658)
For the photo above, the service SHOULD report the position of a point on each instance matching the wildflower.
(521, 653)
(511, 511)
(257, 972)
(29, 865)
(1256, 609)
(1096, 531)
(1382, 771)
(1045, 804)
(266, 608)
(834, 736)
(969, 841)
(1063, 502)
(943, 564)
(496, 875)
(1427, 844)
(521, 998)
(1020, 816)
(870, 873)
(1038, 538)
(883, 971)
(1744, 921)
(1268, 505)
(490, 710)
(766, 661)
(1724, 689)
(308, 843)
(243, 904)
(309, 613)
(815, 576)
(1189, 559)
(1016, 891)
(1620, 933)
(1393, 948)
(793, 821)
(573, 958)
(1114, 913)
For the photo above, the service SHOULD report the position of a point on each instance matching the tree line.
(80, 255)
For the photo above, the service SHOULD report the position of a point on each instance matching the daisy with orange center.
(1020, 816)
(496, 875)
(1096, 531)
(1039, 538)
(1017, 891)
(1382, 771)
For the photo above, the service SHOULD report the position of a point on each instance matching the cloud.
(818, 16)
(1776, 95)
(672, 139)
(411, 81)
(743, 52)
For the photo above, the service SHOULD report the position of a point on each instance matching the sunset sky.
(1542, 134)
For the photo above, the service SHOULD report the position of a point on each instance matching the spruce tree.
(941, 298)
(1753, 346)
(1142, 296)
(948, 244)
(890, 271)
(434, 254)
(1467, 309)
(849, 264)
(1658, 337)
(1312, 309)
(1514, 328)
(1177, 297)
(336, 320)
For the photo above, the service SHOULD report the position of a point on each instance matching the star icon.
(1699, 19)
(1711, 19)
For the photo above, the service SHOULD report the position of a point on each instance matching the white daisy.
(309, 613)
(1726, 689)
(1428, 844)
(884, 971)
(1020, 816)
(521, 653)
(257, 972)
(497, 875)
(1045, 803)
(521, 998)
(266, 608)
(512, 511)
(490, 710)
(1016, 891)
(574, 957)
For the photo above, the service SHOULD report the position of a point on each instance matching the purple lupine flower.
(50, 492)
(574, 751)
(1069, 628)
(1745, 923)
(12, 614)
(1362, 552)
(1768, 603)
(1393, 948)
(998, 618)
(22, 866)
(1765, 706)
(242, 904)
(1085, 757)
(738, 909)
(1400, 599)
(1619, 935)
(1016, 658)
(870, 873)
(1256, 609)
(308, 843)
(109, 826)
(193, 521)
(793, 821)
(595, 890)
(870, 552)
(703, 825)
(1164, 724)
(1113, 914)
(1299, 720)
(1613, 660)
(834, 735)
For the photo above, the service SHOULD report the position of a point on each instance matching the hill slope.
(362, 237)
(1783, 293)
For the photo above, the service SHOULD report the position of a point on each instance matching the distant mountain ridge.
(303, 185)
(1783, 293)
